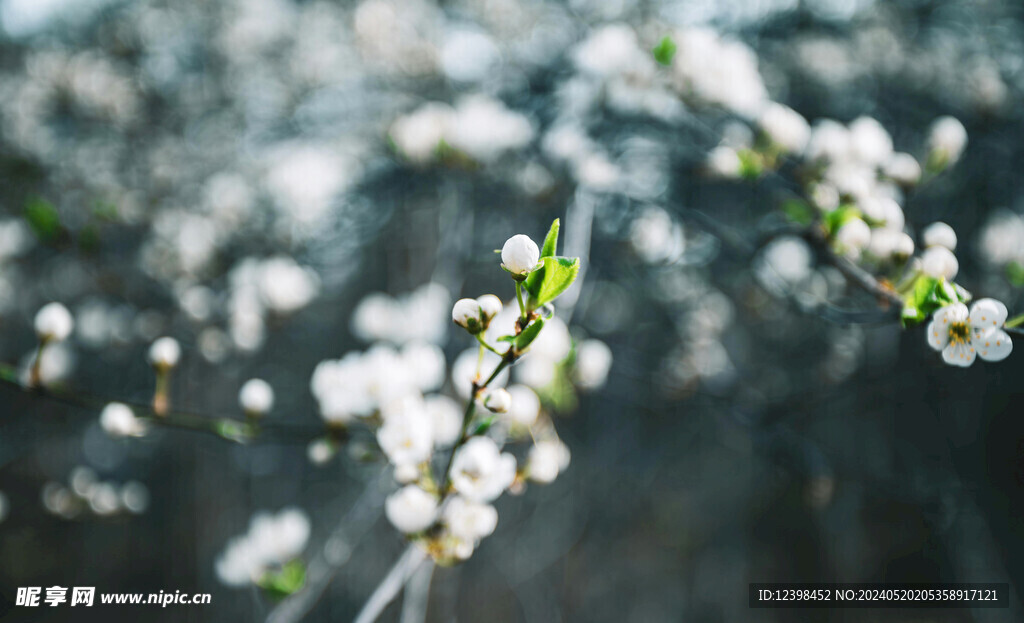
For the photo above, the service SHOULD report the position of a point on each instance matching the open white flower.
(962, 335)
(406, 437)
(468, 520)
(520, 254)
(480, 472)
(256, 397)
(53, 322)
(411, 509)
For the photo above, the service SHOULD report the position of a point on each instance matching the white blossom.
(165, 352)
(854, 235)
(718, 71)
(411, 509)
(939, 262)
(655, 237)
(723, 161)
(53, 322)
(785, 127)
(962, 335)
(497, 400)
(593, 361)
(903, 168)
(870, 143)
(490, 306)
(520, 254)
(446, 419)
(466, 313)
(468, 520)
(272, 540)
(546, 460)
(418, 135)
(256, 397)
(525, 405)
(118, 420)
(480, 472)
(939, 234)
(947, 139)
(406, 436)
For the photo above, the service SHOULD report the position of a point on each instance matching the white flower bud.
(118, 420)
(939, 234)
(165, 352)
(869, 141)
(546, 460)
(54, 322)
(256, 397)
(904, 246)
(319, 452)
(593, 360)
(411, 509)
(520, 254)
(525, 405)
(785, 127)
(466, 313)
(406, 473)
(490, 306)
(854, 234)
(939, 262)
(903, 168)
(469, 521)
(497, 400)
(723, 161)
(946, 140)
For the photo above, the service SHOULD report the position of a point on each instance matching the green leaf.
(751, 164)
(287, 580)
(665, 51)
(928, 295)
(840, 216)
(529, 334)
(552, 278)
(551, 241)
(483, 426)
(43, 218)
(507, 338)
(798, 211)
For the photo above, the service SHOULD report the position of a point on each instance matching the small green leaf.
(507, 338)
(798, 211)
(751, 164)
(483, 426)
(552, 278)
(1015, 273)
(551, 241)
(665, 51)
(529, 334)
(840, 216)
(285, 581)
(928, 295)
(43, 218)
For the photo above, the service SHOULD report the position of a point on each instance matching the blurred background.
(241, 174)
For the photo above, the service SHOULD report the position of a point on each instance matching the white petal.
(988, 314)
(938, 335)
(993, 345)
(957, 312)
(959, 355)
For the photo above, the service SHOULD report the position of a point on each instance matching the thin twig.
(392, 584)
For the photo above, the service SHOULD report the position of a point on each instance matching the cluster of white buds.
(475, 315)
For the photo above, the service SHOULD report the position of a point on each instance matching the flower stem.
(483, 345)
(35, 377)
(1016, 321)
(519, 297)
